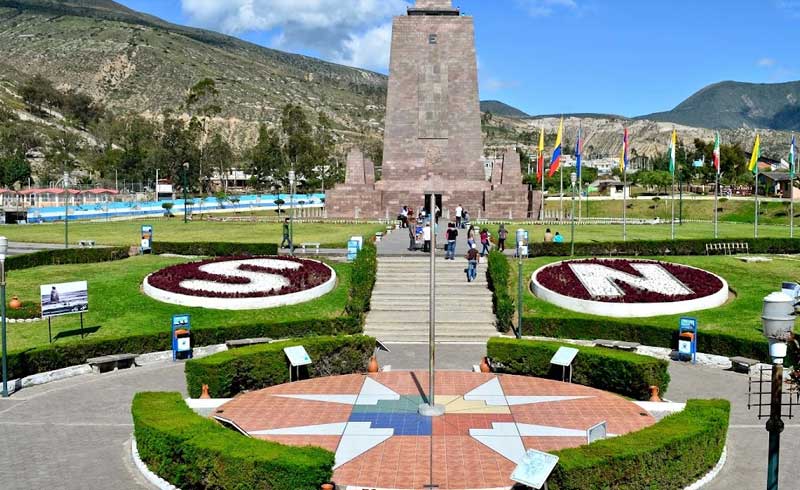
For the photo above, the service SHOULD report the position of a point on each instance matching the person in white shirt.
(459, 211)
(426, 236)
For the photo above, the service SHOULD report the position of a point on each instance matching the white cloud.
(355, 32)
(543, 8)
(766, 62)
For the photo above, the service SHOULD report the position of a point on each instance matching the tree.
(267, 160)
(81, 109)
(219, 153)
(39, 92)
(167, 206)
(202, 100)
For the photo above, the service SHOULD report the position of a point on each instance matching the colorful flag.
(673, 148)
(579, 153)
(717, 153)
(555, 160)
(753, 167)
(540, 163)
(792, 158)
(623, 158)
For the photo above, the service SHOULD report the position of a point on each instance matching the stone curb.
(151, 477)
(711, 474)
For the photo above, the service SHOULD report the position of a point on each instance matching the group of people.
(550, 238)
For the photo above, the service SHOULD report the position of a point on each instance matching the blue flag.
(579, 154)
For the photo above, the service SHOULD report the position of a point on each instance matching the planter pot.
(373, 366)
(15, 303)
(328, 486)
(654, 394)
(205, 395)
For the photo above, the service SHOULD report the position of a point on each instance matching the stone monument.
(509, 196)
(432, 142)
(357, 197)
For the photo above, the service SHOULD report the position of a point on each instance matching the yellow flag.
(756, 154)
(541, 141)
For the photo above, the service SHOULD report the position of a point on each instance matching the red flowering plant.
(309, 275)
(561, 279)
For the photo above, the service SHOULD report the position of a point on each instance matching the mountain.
(133, 62)
(731, 105)
(498, 108)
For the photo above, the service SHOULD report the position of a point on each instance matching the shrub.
(215, 249)
(674, 453)
(648, 334)
(362, 281)
(193, 452)
(605, 369)
(650, 248)
(261, 366)
(499, 275)
(66, 256)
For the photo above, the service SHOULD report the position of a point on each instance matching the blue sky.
(628, 57)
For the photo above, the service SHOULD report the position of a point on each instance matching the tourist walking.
(459, 212)
(426, 236)
(412, 235)
(485, 244)
(452, 235)
(464, 218)
(472, 264)
(287, 239)
(404, 217)
(502, 235)
(548, 236)
(471, 237)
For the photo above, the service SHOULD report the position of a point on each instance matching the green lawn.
(613, 233)
(740, 317)
(119, 308)
(124, 233)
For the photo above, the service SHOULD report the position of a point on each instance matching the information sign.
(147, 239)
(597, 432)
(64, 299)
(535, 469)
(297, 356)
(564, 356)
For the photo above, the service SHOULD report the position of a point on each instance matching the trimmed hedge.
(672, 454)
(66, 256)
(214, 249)
(498, 276)
(666, 248)
(194, 453)
(261, 366)
(653, 335)
(362, 281)
(606, 369)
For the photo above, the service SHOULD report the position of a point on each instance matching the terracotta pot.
(205, 395)
(15, 303)
(654, 394)
(373, 366)
(485, 367)
(328, 486)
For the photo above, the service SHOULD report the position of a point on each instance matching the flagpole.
(561, 198)
(792, 170)
(624, 203)
(543, 215)
(756, 196)
(716, 206)
(672, 198)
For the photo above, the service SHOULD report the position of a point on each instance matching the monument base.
(427, 410)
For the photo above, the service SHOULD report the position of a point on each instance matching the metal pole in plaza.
(625, 204)
(185, 191)
(66, 208)
(574, 179)
(3, 252)
(716, 206)
(430, 409)
(756, 197)
(520, 239)
(291, 210)
(561, 198)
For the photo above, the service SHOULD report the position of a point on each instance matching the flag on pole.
(717, 153)
(673, 148)
(792, 159)
(753, 167)
(540, 163)
(623, 158)
(579, 153)
(555, 160)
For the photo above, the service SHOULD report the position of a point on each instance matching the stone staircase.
(399, 311)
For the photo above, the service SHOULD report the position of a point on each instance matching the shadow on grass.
(76, 332)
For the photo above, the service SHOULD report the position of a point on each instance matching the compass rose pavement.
(380, 441)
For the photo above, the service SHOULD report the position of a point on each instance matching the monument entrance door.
(437, 198)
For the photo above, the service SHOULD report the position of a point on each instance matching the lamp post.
(574, 179)
(185, 192)
(3, 253)
(778, 321)
(292, 177)
(66, 208)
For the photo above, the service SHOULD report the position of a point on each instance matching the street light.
(292, 177)
(3, 253)
(778, 321)
(574, 180)
(185, 191)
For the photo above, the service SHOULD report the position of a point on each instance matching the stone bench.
(617, 344)
(235, 344)
(742, 364)
(304, 246)
(86, 243)
(111, 363)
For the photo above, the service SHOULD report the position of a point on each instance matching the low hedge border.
(619, 372)
(709, 342)
(66, 256)
(253, 368)
(498, 276)
(665, 248)
(192, 452)
(674, 453)
(214, 249)
(57, 356)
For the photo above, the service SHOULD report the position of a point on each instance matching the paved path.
(20, 248)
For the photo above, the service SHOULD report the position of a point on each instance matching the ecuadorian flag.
(555, 161)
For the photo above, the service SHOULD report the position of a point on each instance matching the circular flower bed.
(629, 288)
(241, 283)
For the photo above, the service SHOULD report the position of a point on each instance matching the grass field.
(740, 317)
(774, 213)
(124, 233)
(119, 308)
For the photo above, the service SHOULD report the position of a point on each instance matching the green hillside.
(501, 109)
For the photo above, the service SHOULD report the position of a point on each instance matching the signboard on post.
(687, 339)
(298, 357)
(64, 299)
(181, 337)
(147, 239)
(535, 469)
(564, 358)
(354, 246)
(597, 432)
